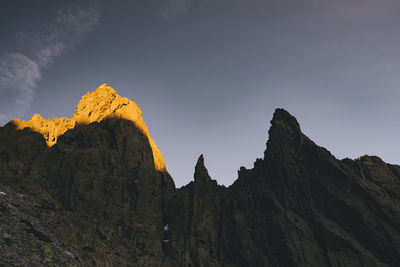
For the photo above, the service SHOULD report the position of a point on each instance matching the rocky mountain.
(96, 106)
(93, 190)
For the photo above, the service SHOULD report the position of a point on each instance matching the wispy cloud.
(175, 8)
(21, 70)
(21, 73)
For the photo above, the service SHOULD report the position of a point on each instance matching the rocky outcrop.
(102, 176)
(96, 106)
(317, 210)
(50, 129)
(97, 194)
(200, 171)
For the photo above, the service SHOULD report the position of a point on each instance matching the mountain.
(101, 104)
(93, 190)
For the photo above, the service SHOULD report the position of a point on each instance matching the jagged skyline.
(96, 198)
(103, 103)
(208, 74)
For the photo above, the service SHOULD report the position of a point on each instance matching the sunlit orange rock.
(100, 104)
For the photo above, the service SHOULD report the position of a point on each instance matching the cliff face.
(96, 106)
(101, 200)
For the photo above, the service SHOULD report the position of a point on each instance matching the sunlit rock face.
(50, 129)
(95, 106)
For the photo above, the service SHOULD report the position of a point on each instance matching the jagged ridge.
(95, 106)
(298, 206)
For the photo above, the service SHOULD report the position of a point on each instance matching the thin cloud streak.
(21, 70)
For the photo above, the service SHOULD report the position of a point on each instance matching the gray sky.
(208, 74)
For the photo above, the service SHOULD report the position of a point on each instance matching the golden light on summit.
(96, 106)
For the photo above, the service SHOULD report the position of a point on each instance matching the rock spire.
(201, 173)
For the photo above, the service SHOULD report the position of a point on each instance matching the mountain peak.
(201, 173)
(105, 87)
(285, 121)
(284, 133)
(104, 102)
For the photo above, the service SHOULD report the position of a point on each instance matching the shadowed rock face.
(102, 195)
(96, 106)
(97, 194)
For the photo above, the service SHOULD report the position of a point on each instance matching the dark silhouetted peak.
(285, 123)
(284, 133)
(200, 172)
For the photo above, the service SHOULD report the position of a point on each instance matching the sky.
(208, 74)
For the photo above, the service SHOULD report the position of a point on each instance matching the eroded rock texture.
(95, 106)
(98, 195)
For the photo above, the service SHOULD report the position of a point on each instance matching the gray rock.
(97, 198)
